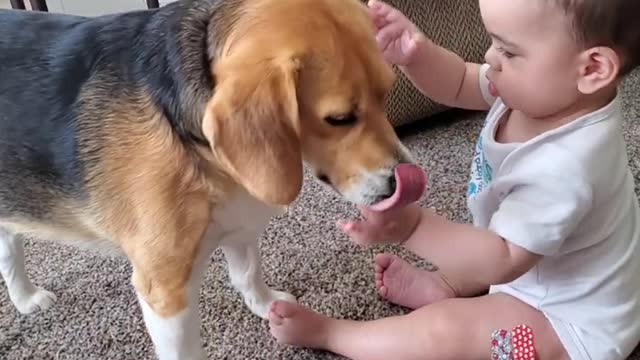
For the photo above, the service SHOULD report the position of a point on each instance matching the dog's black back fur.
(41, 73)
(47, 59)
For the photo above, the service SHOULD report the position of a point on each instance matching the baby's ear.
(599, 68)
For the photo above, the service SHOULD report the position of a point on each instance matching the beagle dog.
(163, 134)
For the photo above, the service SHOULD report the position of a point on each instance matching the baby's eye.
(505, 53)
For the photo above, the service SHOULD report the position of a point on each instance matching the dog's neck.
(192, 29)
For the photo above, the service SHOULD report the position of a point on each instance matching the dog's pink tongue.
(410, 184)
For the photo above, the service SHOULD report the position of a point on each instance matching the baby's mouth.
(492, 89)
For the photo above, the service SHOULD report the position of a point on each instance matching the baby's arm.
(445, 77)
(534, 218)
(471, 257)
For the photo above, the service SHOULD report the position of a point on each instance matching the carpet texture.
(97, 316)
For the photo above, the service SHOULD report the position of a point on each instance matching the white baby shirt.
(567, 194)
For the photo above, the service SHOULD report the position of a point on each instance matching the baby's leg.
(459, 328)
(454, 248)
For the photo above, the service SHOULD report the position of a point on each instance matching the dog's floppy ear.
(252, 125)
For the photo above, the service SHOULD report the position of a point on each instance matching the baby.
(555, 239)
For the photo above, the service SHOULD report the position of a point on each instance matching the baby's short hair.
(610, 23)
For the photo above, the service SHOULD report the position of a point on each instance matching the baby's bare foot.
(401, 283)
(296, 325)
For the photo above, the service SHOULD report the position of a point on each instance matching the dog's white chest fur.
(241, 212)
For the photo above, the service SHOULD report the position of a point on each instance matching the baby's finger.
(345, 225)
(374, 218)
(379, 21)
(353, 228)
(388, 34)
(375, 5)
(386, 12)
(358, 231)
(394, 15)
(409, 44)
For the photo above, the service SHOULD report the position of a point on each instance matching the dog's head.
(303, 81)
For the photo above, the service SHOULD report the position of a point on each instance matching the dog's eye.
(342, 120)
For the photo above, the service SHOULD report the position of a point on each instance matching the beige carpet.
(97, 317)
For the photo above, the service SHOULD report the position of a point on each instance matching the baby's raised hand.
(397, 36)
(378, 227)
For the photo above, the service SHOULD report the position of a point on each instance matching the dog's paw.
(38, 299)
(259, 305)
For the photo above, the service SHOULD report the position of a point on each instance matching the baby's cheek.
(519, 94)
(543, 97)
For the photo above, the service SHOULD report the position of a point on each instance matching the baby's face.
(533, 56)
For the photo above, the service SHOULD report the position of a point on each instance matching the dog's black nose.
(324, 178)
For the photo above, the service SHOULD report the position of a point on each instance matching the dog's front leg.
(243, 219)
(167, 277)
(245, 271)
(175, 334)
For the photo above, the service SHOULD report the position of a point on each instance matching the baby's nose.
(492, 58)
